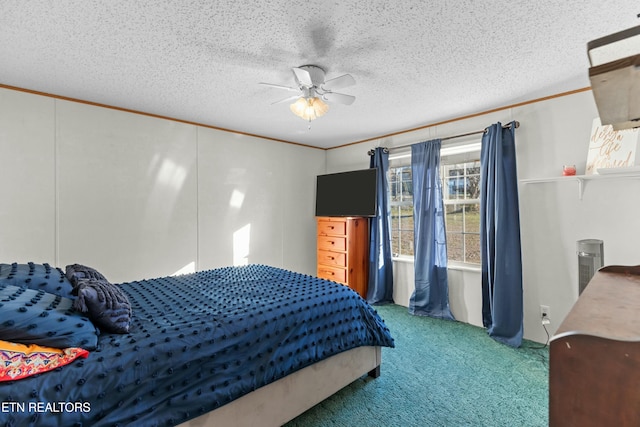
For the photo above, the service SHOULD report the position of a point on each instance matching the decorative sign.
(611, 149)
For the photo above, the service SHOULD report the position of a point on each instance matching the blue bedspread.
(197, 341)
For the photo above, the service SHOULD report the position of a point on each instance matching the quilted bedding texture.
(197, 342)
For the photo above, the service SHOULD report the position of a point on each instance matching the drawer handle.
(331, 227)
(332, 242)
(332, 258)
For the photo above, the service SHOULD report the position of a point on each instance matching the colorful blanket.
(20, 361)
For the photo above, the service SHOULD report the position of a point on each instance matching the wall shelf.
(583, 179)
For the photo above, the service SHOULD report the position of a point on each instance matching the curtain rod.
(507, 126)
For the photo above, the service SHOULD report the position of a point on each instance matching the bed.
(231, 346)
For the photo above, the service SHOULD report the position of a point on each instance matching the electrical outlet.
(545, 314)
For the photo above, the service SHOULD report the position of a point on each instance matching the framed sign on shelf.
(609, 149)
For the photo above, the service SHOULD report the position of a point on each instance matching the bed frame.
(285, 399)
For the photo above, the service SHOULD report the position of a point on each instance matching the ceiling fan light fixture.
(309, 108)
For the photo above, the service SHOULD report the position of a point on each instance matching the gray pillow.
(77, 272)
(105, 304)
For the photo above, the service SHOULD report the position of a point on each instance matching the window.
(461, 196)
(460, 175)
(401, 204)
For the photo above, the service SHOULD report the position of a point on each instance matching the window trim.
(451, 265)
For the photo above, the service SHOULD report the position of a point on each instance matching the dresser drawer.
(332, 243)
(330, 273)
(333, 228)
(338, 259)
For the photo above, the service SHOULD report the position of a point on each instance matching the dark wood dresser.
(594, 359)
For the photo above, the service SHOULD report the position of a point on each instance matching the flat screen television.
(350, 193)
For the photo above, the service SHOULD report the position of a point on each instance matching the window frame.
(462, 153)
(400, 205)
(464, 201)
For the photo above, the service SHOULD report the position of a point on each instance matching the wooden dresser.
(343, 251)
(594, 357)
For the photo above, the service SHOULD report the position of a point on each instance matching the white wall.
(552, 133)
(136, 196)
(27, 177)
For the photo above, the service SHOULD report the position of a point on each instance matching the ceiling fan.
(312, 91)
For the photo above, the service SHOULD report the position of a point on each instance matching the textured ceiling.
(415, 62)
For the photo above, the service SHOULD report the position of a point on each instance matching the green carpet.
(442, 373)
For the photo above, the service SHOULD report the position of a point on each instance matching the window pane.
(453, 218)
(472, 170)
(454, 181)
(472, 245)
(407, 185)
(407, 242)
(461, 181)
(400, 186)
(453, 188)
(393, 186)
(395, 229)
(455, 247)
(395, 241)
(472, 218)
(402, 229)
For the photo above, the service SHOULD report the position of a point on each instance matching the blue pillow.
(41, 277)
(28, 316)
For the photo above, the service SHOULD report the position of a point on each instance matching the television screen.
(347, 193)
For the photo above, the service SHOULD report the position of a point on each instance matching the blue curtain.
(380, 287)
(502, 311)
(431, 295)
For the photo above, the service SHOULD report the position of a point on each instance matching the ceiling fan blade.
(302, 77)
(340, 98)
(291, 89)
(289, 98)
(339, 82)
